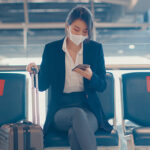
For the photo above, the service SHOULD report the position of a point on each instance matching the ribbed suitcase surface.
(21, 136)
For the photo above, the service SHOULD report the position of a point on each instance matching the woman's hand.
(87, 73)
(30, 66)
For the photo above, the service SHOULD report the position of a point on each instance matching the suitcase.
(21, 136)
(24, 135)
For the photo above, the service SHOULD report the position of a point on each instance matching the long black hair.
(83, 13)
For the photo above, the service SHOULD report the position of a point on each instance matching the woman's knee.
(79, 115)
(70, 132)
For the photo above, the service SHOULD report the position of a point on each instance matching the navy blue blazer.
(52, 74)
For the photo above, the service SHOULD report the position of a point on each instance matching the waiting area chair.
(58, 140)
(12, 97)
(136, 109)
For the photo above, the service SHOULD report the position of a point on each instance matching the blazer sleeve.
(98, 80)
(44, 72)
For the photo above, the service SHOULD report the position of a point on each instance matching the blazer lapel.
(85, 53)
(61, 66)
(85, 61)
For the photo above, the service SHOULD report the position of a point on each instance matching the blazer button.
(86, 96)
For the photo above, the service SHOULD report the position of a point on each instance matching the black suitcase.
(24, 135)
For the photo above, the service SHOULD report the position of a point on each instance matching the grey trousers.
(81, 125)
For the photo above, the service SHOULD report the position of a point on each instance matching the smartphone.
(81, 66)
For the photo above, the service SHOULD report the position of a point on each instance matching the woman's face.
(79, 27)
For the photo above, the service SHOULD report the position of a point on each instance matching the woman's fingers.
(30, 66)
(87, 73)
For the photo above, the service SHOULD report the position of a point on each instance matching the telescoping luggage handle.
(35, 97)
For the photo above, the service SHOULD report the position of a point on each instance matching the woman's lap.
(64, 117)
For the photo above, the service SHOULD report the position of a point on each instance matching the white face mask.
(76, 39)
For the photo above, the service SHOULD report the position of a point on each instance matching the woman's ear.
(66, 28)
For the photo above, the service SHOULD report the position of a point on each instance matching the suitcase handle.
(26, 122)
(34, 70)
(35, 96)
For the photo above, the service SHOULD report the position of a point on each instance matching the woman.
(75, 105)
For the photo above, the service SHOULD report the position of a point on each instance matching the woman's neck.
(71, 46)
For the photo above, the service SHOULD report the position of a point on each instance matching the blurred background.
(123, 26)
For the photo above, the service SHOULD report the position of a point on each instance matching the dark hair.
(83, 13)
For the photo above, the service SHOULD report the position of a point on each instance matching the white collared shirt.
(73, 80)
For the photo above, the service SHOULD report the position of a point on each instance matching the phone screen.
(82, 66)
